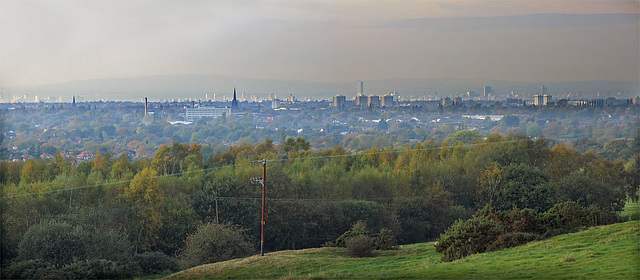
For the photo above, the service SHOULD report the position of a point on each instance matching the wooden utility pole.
(264, 183)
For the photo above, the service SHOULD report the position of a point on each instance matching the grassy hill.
(605, 252)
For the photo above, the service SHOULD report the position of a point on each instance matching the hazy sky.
(331, 41)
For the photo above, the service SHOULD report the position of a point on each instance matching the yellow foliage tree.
(146, 196)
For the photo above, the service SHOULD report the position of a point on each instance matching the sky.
(44, 42)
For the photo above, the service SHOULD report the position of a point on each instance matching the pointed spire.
(234, 102)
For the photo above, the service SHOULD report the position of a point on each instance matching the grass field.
(605, 252)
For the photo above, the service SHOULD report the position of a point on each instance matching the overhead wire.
(355, 154)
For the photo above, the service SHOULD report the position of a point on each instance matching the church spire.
(234, 102)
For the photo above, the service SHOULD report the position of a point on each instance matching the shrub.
(472, 236)
(512, 239)
(53, 241)
(31, 269)
(94, 269)
(360, 246)
(385, 240)
(155, 263)
(214, 243)
(358, 228)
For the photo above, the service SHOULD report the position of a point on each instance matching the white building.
(206, 112)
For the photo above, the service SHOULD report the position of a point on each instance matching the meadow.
(611, 251)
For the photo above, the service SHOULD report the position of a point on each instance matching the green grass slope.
(605, 252)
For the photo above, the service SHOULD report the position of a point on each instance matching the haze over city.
(300, 47)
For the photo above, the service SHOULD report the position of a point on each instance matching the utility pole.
(262, 182)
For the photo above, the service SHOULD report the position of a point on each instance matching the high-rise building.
(339, 101)
(387, 101)
(374, 101)
(361, 100)
(487, 92)
(542, 99)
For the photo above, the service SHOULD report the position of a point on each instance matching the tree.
(465, 137)
(145, 196)
(56, 242)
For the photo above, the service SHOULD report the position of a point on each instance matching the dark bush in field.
(357, 229)
(490, 230)
(385, 240)
(360, 246)
(214, 243)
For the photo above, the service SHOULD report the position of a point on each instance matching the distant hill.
(604, 252)
(195, 86)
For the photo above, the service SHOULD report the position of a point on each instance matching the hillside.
(611, 251)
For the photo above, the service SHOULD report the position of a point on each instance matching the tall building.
(487, 92)
(339, 101)
(542, 99)
(361, 100)
(544, 90)
(387, 101)
(374, 101)
(361, 88)
(234, 102)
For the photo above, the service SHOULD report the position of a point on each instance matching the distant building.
(487, 92)
(361, 100)
(339, 101)
(446, 101)
(387, 101)
(193, 114)
(542, 99)
(275, 104)
(291, 98)
(374, 101)
(471, 94)
(457, 101)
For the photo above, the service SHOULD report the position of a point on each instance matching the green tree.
(145, 195)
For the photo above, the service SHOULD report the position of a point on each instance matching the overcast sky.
(45, 42)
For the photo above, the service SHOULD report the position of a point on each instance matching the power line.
(408, 150)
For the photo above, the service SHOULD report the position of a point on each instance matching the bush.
(155, 263)
(385, 240)
(31, 269)
(53, 241)
(95, 269)
(214, 243)
(472, 236)
(360, 246)
(357, 229)
(512, 239)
